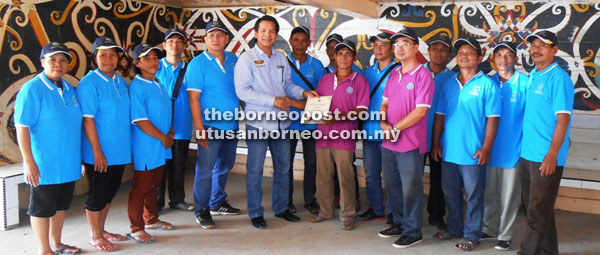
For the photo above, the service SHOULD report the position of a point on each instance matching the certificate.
(315, 110)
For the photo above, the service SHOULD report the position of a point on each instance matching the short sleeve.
(442, 99)
(493, 101)
(28, 105)
(562, 94)
(139, 111)
(88, 97)
(362, 100)
(194, 78)
(425, 90)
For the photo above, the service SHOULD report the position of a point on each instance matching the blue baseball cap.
(172, 32)
(215, 25)
(468, 41)
(441, 38)
(300, 29)
(334, 37)
(406, 32)
(508, 45)
(546, 36)
(346, 44)
(54, 48)
(384, 37)
(142, 50)
(103, 43)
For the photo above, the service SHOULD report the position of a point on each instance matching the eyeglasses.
(402, 44)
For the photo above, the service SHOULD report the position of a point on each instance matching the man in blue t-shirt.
(546, 124)
(168, 70)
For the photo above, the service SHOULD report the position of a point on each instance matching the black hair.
(266, 18)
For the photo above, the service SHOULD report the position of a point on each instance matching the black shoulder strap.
(382, 78)
(178, 82)
(300, 74)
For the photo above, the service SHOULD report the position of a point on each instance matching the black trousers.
(539, 196)
(174, 174)
(436, 205)
(310, 170)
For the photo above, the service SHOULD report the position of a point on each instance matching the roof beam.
(366, 8)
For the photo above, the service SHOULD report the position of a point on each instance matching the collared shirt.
(466, 109)
(182, 119)
(149, 101)
(349, 94)
(53, 116)
(440, 79)
(214, 80)
(313, 70)
(331, 69)
(106, 100)
(507, 146)
(550, 92)
(373, 74)
(405, 92)
(259, 80)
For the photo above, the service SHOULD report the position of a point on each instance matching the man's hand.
(32, 173)
(282, 103)
(310, 93)
(484, 156)
(548, 166)
(436, 152)
(387, 129)
(202, 138)
(167, 141)
(99, 161)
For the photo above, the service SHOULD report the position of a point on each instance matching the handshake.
(283, 103)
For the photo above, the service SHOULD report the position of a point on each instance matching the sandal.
(312, 208)
(112, 237)
(444, 235)
(160, 225)
(138, 235)
(317, 219)
(467, 244)
(67, 250)
(103, 247)
(348, 225)
(291, 208)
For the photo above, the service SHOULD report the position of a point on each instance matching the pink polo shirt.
(350, 94)
(405, 93)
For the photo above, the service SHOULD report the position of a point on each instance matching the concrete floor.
(578, 233)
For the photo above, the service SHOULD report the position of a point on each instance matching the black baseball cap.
(508, 45)
(55, 48)
(215, 25)
(334, 37)
(468, 41)
(546, 36)
(267, 18)
(346, 44)
(384, 37)
(300, 29)
(172, 32)
(103, 43)
(142, 50)
(406, 32)
(440, 38)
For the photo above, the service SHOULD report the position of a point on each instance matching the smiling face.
(542, 53)
(344, 58)
(266, 35)
(505, 60)
(439, 53)
(106, 60)
(173, 45)
(148, 64)
(216, 40)
(405, 48)
(467, 57)
(55, 66)
(300, 43)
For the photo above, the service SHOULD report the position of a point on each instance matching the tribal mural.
(26, 27)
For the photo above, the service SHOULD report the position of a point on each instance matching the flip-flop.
(63, 250)
(160, 225)
(112, 237)
(469, 244)
(98, 246)
(132, 237)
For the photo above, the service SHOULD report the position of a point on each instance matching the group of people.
(496, 137)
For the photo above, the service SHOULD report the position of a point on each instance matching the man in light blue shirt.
(312, 70)
(168, 70)
(263, 81)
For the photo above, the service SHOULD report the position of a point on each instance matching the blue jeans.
(372, 163)
(403, 173)
(280, 154)
(472, 179)
(212, 166)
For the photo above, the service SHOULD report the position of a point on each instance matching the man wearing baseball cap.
(168, 73)
(377, 76)
(330, 42)
(546, 125)
(211, 86)
(50, 143)
(503, 190)
(468, 113)
(306, 73)
(440, 47)
(406, 100)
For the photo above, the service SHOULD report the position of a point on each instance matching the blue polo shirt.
(53, 116)
(331, 69)
(373, 75)
(439, 79)
(182, 119)
(507, 146)
(149, 101)
(550, 92)
(313, 70)
(215, 83)
(466, 109)
(106, 100)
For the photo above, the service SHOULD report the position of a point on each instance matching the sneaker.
(389, 222)
(394, 231)
(503, 245)
(370, 215)
(225, 209)
(406, 241)
(204, 219)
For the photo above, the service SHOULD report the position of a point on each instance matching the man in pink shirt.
(350, 96)
(406, 99)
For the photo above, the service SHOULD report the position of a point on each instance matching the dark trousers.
(310, 169)
(174, 175)
(436, 205)
(539, 196)
(336, 181)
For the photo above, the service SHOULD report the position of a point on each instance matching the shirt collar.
(308, 58)
(548, 69)
(139, 77)
(261, 52)
(376, 66)
(49, 84)
(445, 70)
(479, 74)
(351, 77)
(104, 76)
(166, 64)
(412, 72)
